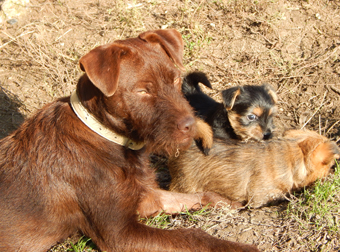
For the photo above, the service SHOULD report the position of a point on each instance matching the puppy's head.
(318, 151)
(251, 110)
(133, 87)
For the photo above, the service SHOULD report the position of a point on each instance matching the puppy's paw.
(204, 135)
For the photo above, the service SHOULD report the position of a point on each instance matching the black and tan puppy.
(245, 113)
(255, 173)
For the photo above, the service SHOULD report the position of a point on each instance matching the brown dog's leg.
(123, 232)
(134, 237)
(172, 202)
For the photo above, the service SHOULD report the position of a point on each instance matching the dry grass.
(292, 45)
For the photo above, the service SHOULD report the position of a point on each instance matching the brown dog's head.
(133, 87)
(318, 151)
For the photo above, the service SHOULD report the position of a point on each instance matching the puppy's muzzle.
(267, 135)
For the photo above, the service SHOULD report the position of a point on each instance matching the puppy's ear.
(102, 66)
(271, 91)
(171, 42)
(204, 136)
(229, 96)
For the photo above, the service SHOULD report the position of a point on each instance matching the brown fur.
(57, 176)
(258, 172)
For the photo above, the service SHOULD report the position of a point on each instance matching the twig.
(296, 86)
(319, 61)
(8, 35)
(62, 35)
(322, 103)
(335, 90)
(272, 44)
(320, 124)
(130, 6)
(330, 128)
(197, 8)
(12, 38)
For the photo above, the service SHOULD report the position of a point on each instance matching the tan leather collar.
(91, 122)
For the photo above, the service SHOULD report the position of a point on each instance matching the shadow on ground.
(10, 117)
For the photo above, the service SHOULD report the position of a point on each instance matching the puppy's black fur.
(245, 113)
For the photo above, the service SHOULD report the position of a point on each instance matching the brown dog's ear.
(321, 160)
(171, 42)
(327, 152)
(271, 91)
(318, 148)
(229, 96)
(102, 66)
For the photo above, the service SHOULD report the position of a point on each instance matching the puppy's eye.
(252, 117)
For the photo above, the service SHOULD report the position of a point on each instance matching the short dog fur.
(246, 111)
(58, 176)
(255, 173)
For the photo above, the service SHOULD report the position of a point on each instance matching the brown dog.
(82, 163)
(255, 173)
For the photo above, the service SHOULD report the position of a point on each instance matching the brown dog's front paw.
(213, 199)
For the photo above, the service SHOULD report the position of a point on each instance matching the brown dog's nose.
(186, 124)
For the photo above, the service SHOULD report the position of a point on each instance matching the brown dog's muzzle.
(186, 125)
(187, 129)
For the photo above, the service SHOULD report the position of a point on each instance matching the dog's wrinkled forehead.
(152, 55)
(146, 63)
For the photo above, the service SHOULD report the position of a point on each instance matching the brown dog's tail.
(204, 136)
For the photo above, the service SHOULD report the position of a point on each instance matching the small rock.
(12, 9)
(12, 21)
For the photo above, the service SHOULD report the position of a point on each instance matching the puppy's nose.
(267, 135)
(186, 124)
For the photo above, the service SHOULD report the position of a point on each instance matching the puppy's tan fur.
(204, 133)
(258, 172)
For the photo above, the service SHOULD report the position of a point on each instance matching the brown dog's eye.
(178, 82)
(142, 92)
(252, 117)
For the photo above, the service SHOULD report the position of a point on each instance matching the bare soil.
(292, 45)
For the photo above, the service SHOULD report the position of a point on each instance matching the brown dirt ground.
(292, 45)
